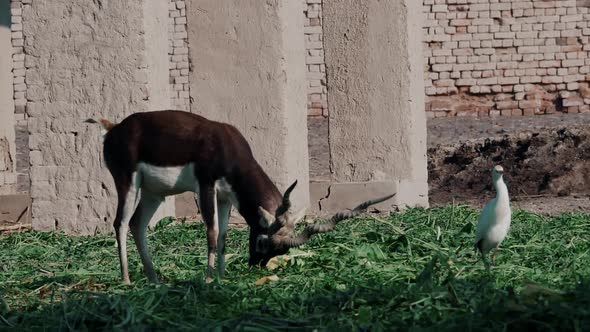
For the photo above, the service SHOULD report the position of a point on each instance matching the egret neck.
(502, 198)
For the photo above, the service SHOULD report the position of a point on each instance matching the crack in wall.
(7, 161)
(325, 197)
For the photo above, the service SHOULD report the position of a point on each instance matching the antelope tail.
(105, 124)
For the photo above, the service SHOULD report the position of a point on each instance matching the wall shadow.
(469, 304)
(5, 13)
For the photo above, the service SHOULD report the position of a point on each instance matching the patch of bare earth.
(545, 160)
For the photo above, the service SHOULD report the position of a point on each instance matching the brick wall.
(506, 57)
(178, 53)
(18, 55)
(7, 153)
(317, 97)
(20, 95)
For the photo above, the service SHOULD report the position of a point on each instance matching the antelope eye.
(262, 244)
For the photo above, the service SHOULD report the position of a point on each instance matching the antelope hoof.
(208, 280)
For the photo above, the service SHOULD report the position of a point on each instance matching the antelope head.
(280, 236)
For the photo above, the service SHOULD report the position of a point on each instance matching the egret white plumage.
(494, 221)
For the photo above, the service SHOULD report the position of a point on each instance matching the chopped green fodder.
(415, 270)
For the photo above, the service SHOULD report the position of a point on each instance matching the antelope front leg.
(209, 212)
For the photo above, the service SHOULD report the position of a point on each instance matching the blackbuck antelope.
(155, 154)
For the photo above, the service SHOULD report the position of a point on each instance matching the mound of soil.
(548, 162)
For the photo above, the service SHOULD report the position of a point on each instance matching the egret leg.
(494, 256)
(486, 262)
(484, 259)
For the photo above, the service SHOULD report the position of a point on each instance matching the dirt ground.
(545, 158)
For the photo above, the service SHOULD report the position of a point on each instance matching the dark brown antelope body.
(155, 154)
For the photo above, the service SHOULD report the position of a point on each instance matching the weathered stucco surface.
(376, 95)
(249, 70)
(83, 59)
(7, 138)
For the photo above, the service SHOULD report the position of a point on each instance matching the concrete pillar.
(83, 58)
(377, 137)
(248, 69)
(7, 137)
(156, 67)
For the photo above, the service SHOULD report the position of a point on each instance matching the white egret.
(494, 221)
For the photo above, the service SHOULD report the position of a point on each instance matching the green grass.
(416, 270)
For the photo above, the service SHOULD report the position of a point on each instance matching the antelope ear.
(296, 217)
(266, 218)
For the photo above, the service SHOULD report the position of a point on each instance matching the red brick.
(507, 105)
(314, 112)
(441, 105)
(530, 104)
(528, 111)
(483, 113)
(584, 92)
